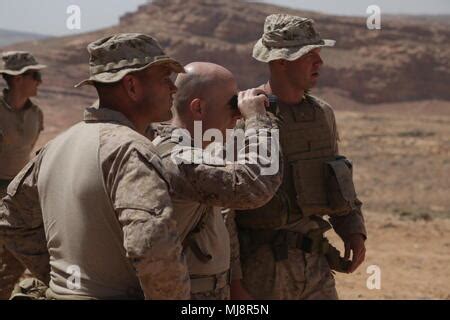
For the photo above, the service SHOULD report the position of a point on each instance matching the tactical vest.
(315, 180)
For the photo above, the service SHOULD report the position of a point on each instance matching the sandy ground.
(413, 258)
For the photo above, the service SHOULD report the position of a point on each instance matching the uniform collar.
(165, 129)
(96, 114)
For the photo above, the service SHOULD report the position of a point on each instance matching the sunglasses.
(36, 75)
(234, 102)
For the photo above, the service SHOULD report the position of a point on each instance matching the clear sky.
(50, 16)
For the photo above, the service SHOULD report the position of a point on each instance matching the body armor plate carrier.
(316, 181)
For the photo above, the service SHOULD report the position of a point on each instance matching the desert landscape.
(391, 92)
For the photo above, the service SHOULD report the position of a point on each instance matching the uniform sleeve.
(352, 223)
(141, 199)
(247, 183)
(331, 119)
(235, 260)
(21, 225)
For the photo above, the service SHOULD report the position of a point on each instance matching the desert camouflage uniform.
(303, 275)
(95, 197)
(235, 256)
(19, 131)
(200, 189)
(300, 275)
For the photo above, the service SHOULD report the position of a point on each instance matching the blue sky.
(49, 16)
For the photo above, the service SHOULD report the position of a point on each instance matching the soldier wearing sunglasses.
(21, 122)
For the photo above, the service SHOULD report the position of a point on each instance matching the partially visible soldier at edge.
(98, 192)
(21, 122)
(283, 250)
(208, 95)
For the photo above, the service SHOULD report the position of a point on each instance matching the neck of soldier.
(285, 92)
(113, 100)
(139, 123)
(15, 99)
(187, 124)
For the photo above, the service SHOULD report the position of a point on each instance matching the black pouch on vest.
(341, 190)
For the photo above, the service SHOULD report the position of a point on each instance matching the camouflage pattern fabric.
(288, 37)
(218, 294)
(10, 268)
(115, 56)
(302, 277)
(147, 258)
(19, 131)
(15, 63)
(204, 186)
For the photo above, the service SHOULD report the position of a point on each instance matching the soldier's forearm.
(352, 223)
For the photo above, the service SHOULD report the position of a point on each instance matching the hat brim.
(23, 70)
(112, 77)
(265, 54)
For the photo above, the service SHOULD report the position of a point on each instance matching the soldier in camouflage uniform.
(21, 122)
(92, 209)
(284, 253)
(208, 94)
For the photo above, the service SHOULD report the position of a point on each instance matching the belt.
(291, 239)
(283, 240)
(201, 284)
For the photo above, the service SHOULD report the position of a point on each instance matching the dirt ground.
(401, 157)
(413, 258)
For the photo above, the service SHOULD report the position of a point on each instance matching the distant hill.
(407, 60)
(400, 66)
(8, 37)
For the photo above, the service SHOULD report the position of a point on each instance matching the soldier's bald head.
(202, 80)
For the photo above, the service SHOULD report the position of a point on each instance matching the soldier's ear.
(196, 107)
(132, 87)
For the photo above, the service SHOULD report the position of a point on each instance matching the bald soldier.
(283, 250)
(21, 122)
(92, 209)
(208, 99)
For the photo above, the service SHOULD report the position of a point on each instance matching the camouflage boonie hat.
(15, 63)
(288, 37)
(114, 57)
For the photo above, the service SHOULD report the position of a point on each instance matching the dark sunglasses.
(234, 102)
(36, 75)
